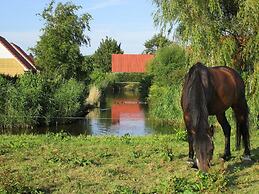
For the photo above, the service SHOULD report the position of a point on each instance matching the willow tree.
(221, 32)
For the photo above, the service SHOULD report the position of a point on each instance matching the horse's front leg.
(226, 129)
(191, 152)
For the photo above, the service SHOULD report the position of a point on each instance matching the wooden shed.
(13, 60)
(130, 62)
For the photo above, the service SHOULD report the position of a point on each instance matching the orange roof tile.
(130, 62)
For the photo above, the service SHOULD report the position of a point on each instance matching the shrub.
(68, 98)
(164, 103)
(168, 66)
(22, 106)
(167, 69)
(35, 99)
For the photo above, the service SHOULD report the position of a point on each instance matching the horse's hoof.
(247, 158)
(190, 161)
(195, 165)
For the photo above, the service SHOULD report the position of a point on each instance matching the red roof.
(130, 62)
(19, 54)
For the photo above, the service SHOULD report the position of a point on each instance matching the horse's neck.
(198, 104)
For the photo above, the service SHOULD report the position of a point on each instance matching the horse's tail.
(238, 137)
(243, 126)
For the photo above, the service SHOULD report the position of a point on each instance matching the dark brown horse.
(211, 91)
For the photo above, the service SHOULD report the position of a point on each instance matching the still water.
(121, 113)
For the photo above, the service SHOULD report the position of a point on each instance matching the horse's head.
(204, 150)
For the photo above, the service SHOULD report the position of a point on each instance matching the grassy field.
(58, 163)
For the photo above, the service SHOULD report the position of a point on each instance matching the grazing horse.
(211, 91)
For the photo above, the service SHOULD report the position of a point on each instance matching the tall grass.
(35, 99)
(167, 71)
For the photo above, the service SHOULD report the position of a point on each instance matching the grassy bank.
(58, 163)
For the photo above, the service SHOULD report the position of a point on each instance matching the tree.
(103, 55)
(58, 49)
(218, 32)
(156, 42)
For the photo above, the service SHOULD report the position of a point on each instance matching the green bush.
(21, 106)
(35, 99)
(102, 80)
(165, 103)
(168, 66)
(167, 69)
(67, 99)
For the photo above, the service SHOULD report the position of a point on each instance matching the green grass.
(58, 163)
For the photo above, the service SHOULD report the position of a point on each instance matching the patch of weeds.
(137, 154)
(204, 182)
(131, 162)
(181, 185)
(115, 172)
(4, 149)
(105, 154)
(168, 154)
(15, 183)
(82, 162)
(126, 139)
(59, 136)
(124, 190)
(76, 161)
(213, 181)
(181, 135)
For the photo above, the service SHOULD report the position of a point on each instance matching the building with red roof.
(130, 62)
(13, 60)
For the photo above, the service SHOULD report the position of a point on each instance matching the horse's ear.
(211, 130)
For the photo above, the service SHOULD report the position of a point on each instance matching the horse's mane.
(197, 78)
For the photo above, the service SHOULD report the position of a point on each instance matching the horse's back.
(228, 88)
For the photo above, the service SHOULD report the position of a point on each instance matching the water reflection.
(123, 113)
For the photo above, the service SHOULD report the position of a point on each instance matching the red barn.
(130, 62)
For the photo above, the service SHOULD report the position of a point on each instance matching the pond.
(120, 114)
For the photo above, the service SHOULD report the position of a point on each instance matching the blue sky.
(129, 22)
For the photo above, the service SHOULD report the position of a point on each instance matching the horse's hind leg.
(241, 114)
(226, 129)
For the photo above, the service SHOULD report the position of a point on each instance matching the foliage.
(167, 69)
(102, 80)
(103, 55)
(156, 42)
(87, 69)
(58, 49)
(170, 61)
(252, 93)
(68, 98)
(217, 32)
(22, 105)
(129, 77)
(164, 103)
(35, 99)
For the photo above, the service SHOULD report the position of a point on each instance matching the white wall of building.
(4, 53)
